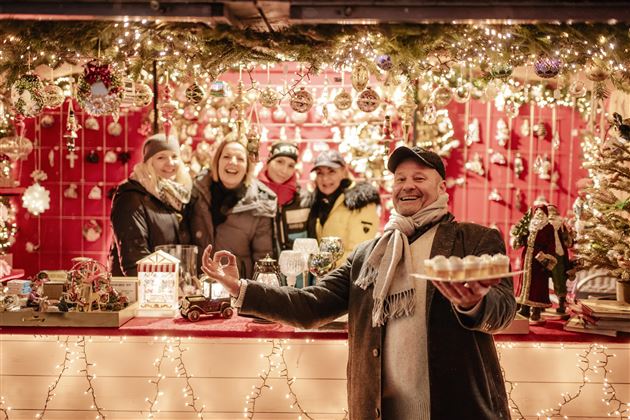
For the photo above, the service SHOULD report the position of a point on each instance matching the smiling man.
(414, 353)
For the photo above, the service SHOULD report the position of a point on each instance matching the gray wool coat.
(464, 373)
(248, 230)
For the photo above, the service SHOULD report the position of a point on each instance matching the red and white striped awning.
(158, 262)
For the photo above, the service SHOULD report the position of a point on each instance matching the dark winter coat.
(141, 222)
(464, 374)
(247, 231)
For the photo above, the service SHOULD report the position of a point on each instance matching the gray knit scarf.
(389, 264)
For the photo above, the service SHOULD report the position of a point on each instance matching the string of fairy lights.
(593, 364)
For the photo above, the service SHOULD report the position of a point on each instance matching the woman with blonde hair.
(147, 208)
(231, 210)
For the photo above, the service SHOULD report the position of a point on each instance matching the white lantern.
(158, 285)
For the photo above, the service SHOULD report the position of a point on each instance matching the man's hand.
(465, 294)
(226, 274)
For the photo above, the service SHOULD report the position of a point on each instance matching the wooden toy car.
(192, 307)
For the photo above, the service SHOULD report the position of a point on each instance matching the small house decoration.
(158, 284)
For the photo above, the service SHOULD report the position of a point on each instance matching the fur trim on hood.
(357, 196)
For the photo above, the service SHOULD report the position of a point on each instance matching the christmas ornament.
(503, 135)
(269, 98)
(27, 95)
(596, 72)
(218, 89)
(124, 157)
(47, 121)
(511, 109)
(92, 157)
(524, 129)
(114, 128)
(439, 136)
(475, 165)
(368, 100)
(441, 96)
(195, 93)
(500, 71)
(384, 62)
(462, 94)
(519, 165)
(100, 89)
(547, 67)
(360, 76)
(92, 231)
(6, 180)
(8, 227)
(555, 141)
(472, 133)
(497, 158)
(167, 108)
(343, 100)
(519, 201)
(53, 96)
(542, 167)
(492, 89)
(540, 130)
(429, 114)
(16, 147)
(299, 117)
(95, 193)
(71, 191)
(577, 89)
(301, 101)
(143, 95)
(51, 157)
(495, 196)
(91, 123)
(71, 157)
(36, 199)
(71, 129)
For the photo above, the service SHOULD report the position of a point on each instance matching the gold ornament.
(195, 93)
(462, 94)
(143, 96)
(360, 76)
(15, 147)
(501, 71)
(442, 96)
(27, 95)
(368, 100)
(301, 101)
(269, 98)
(577, 89)
(596, 73)
(343, 100)
(53, 96)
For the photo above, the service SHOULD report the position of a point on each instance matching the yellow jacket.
(354, 217)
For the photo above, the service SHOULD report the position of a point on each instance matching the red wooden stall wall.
(57, 233)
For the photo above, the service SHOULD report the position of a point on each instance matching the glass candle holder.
(332, 244)
(291, 264)
(320, 263)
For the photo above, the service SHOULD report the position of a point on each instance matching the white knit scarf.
(389, 264)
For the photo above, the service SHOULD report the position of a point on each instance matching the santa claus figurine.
(543, 248)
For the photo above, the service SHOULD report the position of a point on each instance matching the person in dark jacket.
(231, 210)
(279, 174)
(147, 208)
(417, 349)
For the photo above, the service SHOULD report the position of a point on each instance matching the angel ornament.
(497, 158)
(475, 165)
(495, 195)
(472, 134)
(503, 134)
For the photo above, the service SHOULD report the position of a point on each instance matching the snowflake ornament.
(36, 199)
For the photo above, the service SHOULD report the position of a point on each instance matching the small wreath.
(27, 95)
(100, 89)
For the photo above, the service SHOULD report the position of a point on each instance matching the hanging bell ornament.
(343, 100)
(269, 98)
(360, 76)
(195, 93)
(368, 100)
(301, 101)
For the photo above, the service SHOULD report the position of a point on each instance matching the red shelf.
(12, 191)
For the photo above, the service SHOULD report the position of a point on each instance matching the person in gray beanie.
(147, 208)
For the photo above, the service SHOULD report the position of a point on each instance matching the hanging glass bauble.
(301, 101)
(596, 72)
(47, 121)
(547, 67)
(368, 100)
(16, 147)
(384, 62)
(462, 94)
(343, 100)
(269, 98)
(27, 95)
(577, 89)
(278, 115)
(218, 89)
(195, 93)
(442, 96)
(36, 199)
(540, 130)
(501, 71)
(143, 96)
(360, 76)
(100, 89)
(53, 96)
